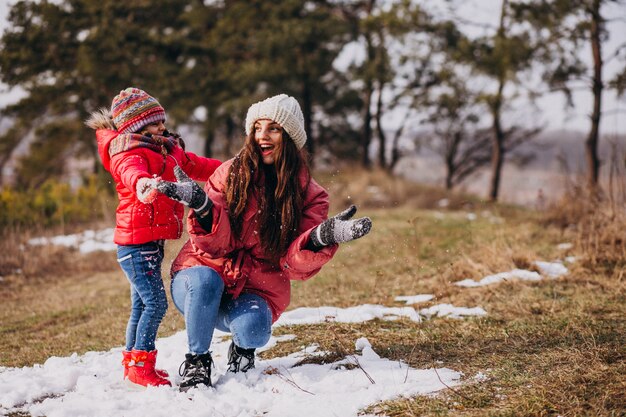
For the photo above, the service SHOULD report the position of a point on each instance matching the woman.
(268, 225)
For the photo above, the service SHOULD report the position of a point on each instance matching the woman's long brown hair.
(277, 188)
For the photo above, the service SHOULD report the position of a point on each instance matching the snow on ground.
(501, 276)
(310, 315)
(415, 299)
(552, 269)
(90, 384)
(85, 242)
(548, 269)
(448, 310)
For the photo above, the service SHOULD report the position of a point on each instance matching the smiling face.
(269, 136)
(156, 128)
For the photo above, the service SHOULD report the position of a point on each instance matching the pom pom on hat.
(282, 109)
(133, 109)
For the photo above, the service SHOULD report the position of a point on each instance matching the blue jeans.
(142, 266)
(198, 293)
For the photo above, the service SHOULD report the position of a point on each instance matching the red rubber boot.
(141, 372)
(126, 360)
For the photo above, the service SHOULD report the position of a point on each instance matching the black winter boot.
(240, 359)
(197, 371)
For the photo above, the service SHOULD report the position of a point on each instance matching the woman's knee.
(251, 323)
(201, 280)
(252, 337)
(204, 281)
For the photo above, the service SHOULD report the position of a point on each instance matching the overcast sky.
(552, 107)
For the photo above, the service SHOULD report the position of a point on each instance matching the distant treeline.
(55, 203)
(207, 61)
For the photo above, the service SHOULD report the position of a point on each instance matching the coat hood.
(101, 119)
(102, 122)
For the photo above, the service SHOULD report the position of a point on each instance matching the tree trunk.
(366, 137)
(208, 143)
(451, 151)
(395, 153)
(497, 153)
(209, 127)
(382, 150)
(591, 145)
(395, 145)
(231, 137)
(449, 171)
(307, 112)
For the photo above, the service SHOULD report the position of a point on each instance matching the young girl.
(268, 225)
(138, 151)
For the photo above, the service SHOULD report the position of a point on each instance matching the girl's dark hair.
(278, 189)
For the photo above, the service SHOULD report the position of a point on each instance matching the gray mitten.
(186, 191)
(340, 228)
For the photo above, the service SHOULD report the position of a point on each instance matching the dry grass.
(21, 262)
(379, 189)
(598, 222)
(553, 347)
(598, 218)
(76, 303)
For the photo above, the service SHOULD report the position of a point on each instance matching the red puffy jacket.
(241, 262)
(137, 222)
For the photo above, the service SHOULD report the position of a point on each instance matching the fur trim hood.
(101, 119)
(102, 122)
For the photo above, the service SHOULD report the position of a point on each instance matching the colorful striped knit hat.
(133, 109)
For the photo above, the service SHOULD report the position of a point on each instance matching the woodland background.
(423, 85)
(434, 98)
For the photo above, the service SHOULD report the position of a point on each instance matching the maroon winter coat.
(242, 262)
(137, 222)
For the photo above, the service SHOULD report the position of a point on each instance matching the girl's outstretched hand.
(340, 228)
(146, 189)
(186, 191)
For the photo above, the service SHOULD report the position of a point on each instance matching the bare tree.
(566, 26)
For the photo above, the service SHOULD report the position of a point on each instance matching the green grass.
(547, 348)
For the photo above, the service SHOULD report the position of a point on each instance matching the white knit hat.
(282, 109)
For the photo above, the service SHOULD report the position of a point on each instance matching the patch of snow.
(448, 310)
(415, 299)
(366, 312)
(85, 242)
(91, 384)
(499, 277)
(552, 269)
